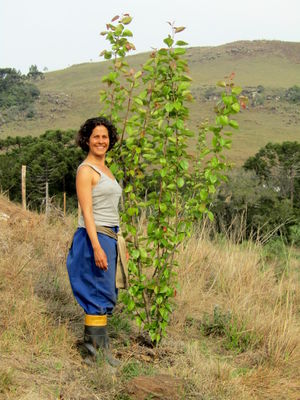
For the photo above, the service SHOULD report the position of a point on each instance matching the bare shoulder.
(84, 173)
(84, 169)
(87, 176)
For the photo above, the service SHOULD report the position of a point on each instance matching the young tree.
(155, 164)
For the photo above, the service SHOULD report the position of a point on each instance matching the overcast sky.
(59, 33)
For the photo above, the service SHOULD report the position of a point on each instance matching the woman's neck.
(98, 161)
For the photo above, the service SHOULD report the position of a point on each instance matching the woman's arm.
(84, 187)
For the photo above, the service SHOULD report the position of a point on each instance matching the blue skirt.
(94, 288)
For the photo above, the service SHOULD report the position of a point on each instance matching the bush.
(294, 234)
(293, 94)
(220, 323)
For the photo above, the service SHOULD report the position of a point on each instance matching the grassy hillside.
(71, 95)
(234, 332)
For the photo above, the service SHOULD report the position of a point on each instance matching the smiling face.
(99, 141)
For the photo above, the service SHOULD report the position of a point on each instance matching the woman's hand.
(100, 258)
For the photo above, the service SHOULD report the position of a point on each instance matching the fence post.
(65, 203)
(23, 185)
(47, 197)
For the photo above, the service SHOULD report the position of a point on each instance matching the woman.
(92, 258)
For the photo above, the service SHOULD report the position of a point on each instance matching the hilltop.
(234, 331)
(71, 95)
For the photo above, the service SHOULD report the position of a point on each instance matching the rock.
(158, 387)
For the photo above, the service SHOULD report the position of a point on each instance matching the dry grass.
(40, 323)
(264, 342)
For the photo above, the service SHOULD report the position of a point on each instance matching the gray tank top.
(105, 196)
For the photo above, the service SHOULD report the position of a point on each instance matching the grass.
(70, 96)
(234, 332)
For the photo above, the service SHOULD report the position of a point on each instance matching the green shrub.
(294, 232)
(276, 252)
(224, 324)
(293, 94)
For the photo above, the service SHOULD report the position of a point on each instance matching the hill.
(265, 69)
(234, 332)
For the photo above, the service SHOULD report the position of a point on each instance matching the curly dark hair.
(87, 128)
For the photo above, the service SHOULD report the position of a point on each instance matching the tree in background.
(50, 158)
(278, 166)
(17, 95)
(34, 73)
(262, 200)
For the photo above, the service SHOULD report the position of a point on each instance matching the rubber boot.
(95, 339)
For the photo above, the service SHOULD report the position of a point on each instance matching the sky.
(58, 33)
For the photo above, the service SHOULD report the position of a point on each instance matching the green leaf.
(201, 208)
(128, 188)
(131, 229)
(222, 120)
(136, 76)
(107, 55)
(236, 90)
(163, 207)
(236, 107)
(178, 51)
(213, 178)
(181, 43)
(157, 338)
(203, 194)
(138, 101)
(166, 273)
(126, 33)
(135, 254)
(126, 20)
(150, 228)
(132, 211)
(180, 182)
(169, 41)
(210, 215)
(163, 52)
(186, 78)
(184, 165)
(131, 305)
(177, 105)
(234, 124)
(143, 253)
(171, 186)
(163, 172)
(180, 124)
(163, 289)
(227, 100)
(169, 107)
(221, 84)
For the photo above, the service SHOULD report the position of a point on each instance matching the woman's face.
(99, 141)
